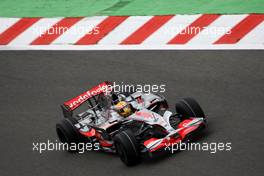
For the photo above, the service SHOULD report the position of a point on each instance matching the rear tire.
(189, 107)
(67, 132)
(73, 120)
(127, 147)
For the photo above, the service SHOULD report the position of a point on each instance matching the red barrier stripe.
(15, 30)
(104, 28)
(55, 31)
(241, 29)
(146, 30)
(193, 29)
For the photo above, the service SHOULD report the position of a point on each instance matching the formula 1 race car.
(128, 123)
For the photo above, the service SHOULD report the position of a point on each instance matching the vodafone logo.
(77, 101)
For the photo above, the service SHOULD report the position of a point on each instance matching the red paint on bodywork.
(89, 133)
(186, 131)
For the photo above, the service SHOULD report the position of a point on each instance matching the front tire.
(127, 147)
(189, 107)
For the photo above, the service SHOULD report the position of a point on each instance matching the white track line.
(34, 31)
(170, 29)
(125, 29)
(135, 47)
(5, 23)
(80, 29)
(210, 35)
(256, 36)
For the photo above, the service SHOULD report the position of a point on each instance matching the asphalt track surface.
(228, 84)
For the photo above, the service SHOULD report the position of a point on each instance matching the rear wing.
(75, 102)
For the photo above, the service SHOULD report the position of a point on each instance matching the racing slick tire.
(127, 147)
(73, 120)
(189, 107)
(68, 133)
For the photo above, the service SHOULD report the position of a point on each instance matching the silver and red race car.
(130, 124)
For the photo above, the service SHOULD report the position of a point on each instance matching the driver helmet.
(123, 109)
